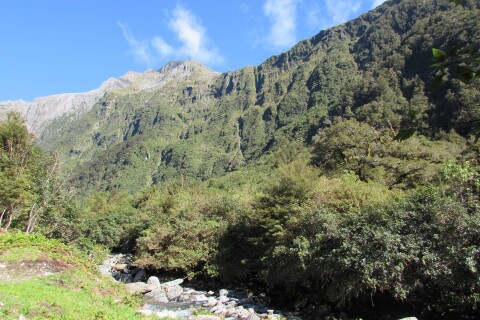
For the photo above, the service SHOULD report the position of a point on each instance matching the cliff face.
(186, 120)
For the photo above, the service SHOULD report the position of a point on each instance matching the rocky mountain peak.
(185, 66)
(39, 112)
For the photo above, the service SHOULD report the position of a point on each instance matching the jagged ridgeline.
(186, 120)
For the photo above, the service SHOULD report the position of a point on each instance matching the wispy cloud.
(192, 40)
(192, 35)
(140, 49)
(341, 10)
(282, 14)
(161, 47)
(376, 3)
(314, 18)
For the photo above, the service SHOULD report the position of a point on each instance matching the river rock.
(120, 267)
(231, 304)
(252, 316)
(204, 317)
(185, 297)
(124, 277)
(200, 298)
(145, 312)
(140, 276)
(172, 283)
(153, 280)
(211, 302)
(242, 313)
(230, 312)
(139, 287)
(174, 292)
(157, 296)
(218, 308)
(223, 293)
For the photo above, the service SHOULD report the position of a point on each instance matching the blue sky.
(57, 46)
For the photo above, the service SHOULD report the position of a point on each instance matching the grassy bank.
(45, 279)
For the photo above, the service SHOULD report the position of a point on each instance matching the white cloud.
(161, 47)
(341, 10)
(140, 49)
(282, 13)
(190, 34)
(376, 3)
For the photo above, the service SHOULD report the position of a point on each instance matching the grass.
(20, 254)
(79, 292)
(45, 298)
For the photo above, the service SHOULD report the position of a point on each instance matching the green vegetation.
(329, 176)
(375, 70)
(26, 177)
(73, 291)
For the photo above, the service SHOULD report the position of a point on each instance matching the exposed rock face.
(41, 111)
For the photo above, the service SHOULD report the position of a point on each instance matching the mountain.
(41, 111)
(187, 120)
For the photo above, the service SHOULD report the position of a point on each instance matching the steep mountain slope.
(198, 124)
(39, 112)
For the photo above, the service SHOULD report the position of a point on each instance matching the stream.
(176, 300)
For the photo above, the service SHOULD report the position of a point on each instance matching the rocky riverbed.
(174, 299)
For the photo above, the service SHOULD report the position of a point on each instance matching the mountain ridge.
(42, 110)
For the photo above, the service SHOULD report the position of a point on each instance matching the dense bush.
(184, 228)
(422, 249)
(322, 239)
(374, 155)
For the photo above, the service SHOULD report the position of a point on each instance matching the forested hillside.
(375, 69)
(341, 177)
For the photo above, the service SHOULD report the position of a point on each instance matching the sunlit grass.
(76, 293)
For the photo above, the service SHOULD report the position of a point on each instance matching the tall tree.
(26, 176)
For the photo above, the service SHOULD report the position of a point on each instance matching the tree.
(26, 176)
(350, 145)
(374, 155)
(463, 64)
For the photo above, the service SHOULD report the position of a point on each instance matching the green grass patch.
(78, 292)
(20, 254)
(64, 297)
